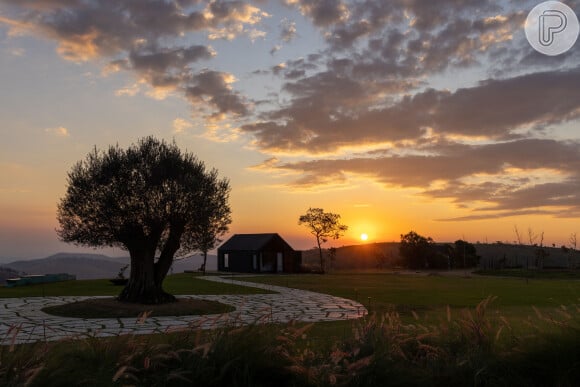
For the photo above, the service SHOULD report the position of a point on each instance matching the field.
(427, 297)
(174, 284)
(381, 292)
(423, 330)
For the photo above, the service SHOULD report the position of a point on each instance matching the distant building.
(258, 253)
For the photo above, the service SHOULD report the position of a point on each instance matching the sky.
(434, 116)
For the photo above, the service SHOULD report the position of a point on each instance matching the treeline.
(418, 252)
(414, 252)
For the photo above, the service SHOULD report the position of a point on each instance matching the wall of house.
(238, 261)
(243, 261)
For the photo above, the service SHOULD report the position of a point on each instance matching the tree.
(380, 259)
(463, 254)
(332, 256)
(214, 219)
(541, 252)
(573, 245)
(147, 199)
(416, 250)
(322, 225)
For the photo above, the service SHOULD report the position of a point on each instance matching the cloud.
(330, 111)
(145, 38)
(444, 97)
(214, 88)
(275, 49)
(505, 178)
(61, 131)
(288, 30)
(180, 125)
(323, 13)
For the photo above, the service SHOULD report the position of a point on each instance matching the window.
(226, 261)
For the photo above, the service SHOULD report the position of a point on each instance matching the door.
(279, 262)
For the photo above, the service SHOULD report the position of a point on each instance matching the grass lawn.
(536, 274)
(425, 348)
(424, 299)
(184, 283)
(381, 291)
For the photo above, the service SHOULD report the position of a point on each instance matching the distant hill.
(364, 257)
(357, 257)
(94, 266)
(509, 255)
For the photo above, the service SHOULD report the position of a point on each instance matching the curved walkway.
(22, 321)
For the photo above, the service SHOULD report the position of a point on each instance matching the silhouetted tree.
(380, 259)
(541, 252)
(416, 249)
(573, 245)
(464, 254)
(322, 225)
(332, 256)
(146, 199)
(214, 219)
(518, 236)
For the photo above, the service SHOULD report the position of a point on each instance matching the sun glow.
(364, 237)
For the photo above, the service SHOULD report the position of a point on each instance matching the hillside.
(358, 257)
(365, 256)
(94, 266)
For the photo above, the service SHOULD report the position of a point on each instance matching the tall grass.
(472, 348)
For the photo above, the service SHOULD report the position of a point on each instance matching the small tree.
(332, 256)
(147, 199)
(214, 217)
(416, 250)
(380, 259)
(323, 225)
(463, 254)
(572, 251)
(541, 252)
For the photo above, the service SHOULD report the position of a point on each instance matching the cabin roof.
(249, 242)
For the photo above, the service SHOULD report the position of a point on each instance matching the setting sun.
(364, 237)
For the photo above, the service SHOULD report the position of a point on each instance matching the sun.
(364, 237)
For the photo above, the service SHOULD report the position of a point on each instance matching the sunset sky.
(425, 115)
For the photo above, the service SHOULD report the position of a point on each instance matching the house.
(258, 253)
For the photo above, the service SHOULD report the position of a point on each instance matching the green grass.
(184, 283)
(472, 346)
(427, 297)
(536, 274)
(377, 351)
(382, 291)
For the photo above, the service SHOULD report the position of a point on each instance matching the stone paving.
(22, 321)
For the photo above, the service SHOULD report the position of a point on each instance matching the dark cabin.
(258, 253)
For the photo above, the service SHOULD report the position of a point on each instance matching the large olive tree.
(148, 199)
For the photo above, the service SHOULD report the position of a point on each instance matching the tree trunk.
(204, 262)
(143, 288)
(321, 256)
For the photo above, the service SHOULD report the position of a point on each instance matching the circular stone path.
(22, 321)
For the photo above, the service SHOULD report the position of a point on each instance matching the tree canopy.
(416, 250)
(323, 225)
(151, 199)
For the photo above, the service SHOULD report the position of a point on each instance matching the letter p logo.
(552, 28)
(552, 22)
